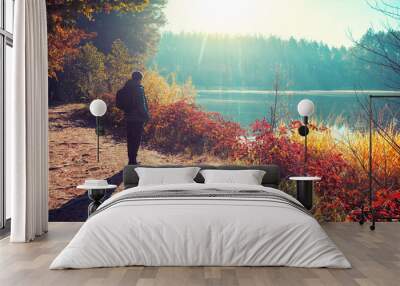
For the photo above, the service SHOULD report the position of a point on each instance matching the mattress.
(201, 225)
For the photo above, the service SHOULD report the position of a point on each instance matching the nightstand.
(305, 190)
(96, 194)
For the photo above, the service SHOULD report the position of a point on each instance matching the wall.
(94, 55)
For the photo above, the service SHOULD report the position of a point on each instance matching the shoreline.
(302, 92)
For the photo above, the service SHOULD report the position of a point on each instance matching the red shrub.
(386, 204)
(334, 198)
(183, 127)
(268, 148)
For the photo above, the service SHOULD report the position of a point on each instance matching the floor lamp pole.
(371, 126)
(305, 143)
(305, 109)
(98, 139)
(98, 108)
(305, 155)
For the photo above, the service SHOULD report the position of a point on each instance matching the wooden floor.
(375, 257)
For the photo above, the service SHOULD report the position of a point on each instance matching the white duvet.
(200, 231)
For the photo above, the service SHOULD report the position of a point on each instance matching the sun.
(223, 16)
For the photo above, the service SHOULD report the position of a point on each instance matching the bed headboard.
(271, 178)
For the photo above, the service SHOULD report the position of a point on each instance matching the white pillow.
(248, 177)
(166, 176)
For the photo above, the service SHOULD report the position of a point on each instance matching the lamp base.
(303, 130)
(305, 193)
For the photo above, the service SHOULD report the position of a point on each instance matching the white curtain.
(27, 123)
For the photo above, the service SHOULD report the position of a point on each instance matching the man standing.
(132, 100)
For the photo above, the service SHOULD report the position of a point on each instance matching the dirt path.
(72, 148)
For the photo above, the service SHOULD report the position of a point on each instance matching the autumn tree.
(140, 31)
(86, 73)
(64, 36)
(380, 49)
(63, 43)
(92, 72)
(119, 66)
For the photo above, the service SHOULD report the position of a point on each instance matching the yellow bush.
(386, 160)
(160, 91)
(319, 139)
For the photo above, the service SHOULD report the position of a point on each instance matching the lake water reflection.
(331, 107)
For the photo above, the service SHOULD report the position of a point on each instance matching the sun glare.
(223, 16)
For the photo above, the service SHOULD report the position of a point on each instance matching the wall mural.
(222, 92)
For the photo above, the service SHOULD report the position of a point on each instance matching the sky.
(329, 21)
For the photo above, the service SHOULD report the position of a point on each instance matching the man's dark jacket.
(132, 100)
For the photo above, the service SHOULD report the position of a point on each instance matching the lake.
(331, 107)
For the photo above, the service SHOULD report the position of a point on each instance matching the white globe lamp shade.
(98, 107)
(305, 107)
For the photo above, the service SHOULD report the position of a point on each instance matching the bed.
(197, 224)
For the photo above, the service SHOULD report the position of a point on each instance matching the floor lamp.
(305, 109)
(98, 108)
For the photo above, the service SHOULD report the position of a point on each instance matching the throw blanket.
(206, 194)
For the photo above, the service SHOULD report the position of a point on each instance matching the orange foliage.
(63, 42)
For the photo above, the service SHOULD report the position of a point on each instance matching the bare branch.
(385, 8)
